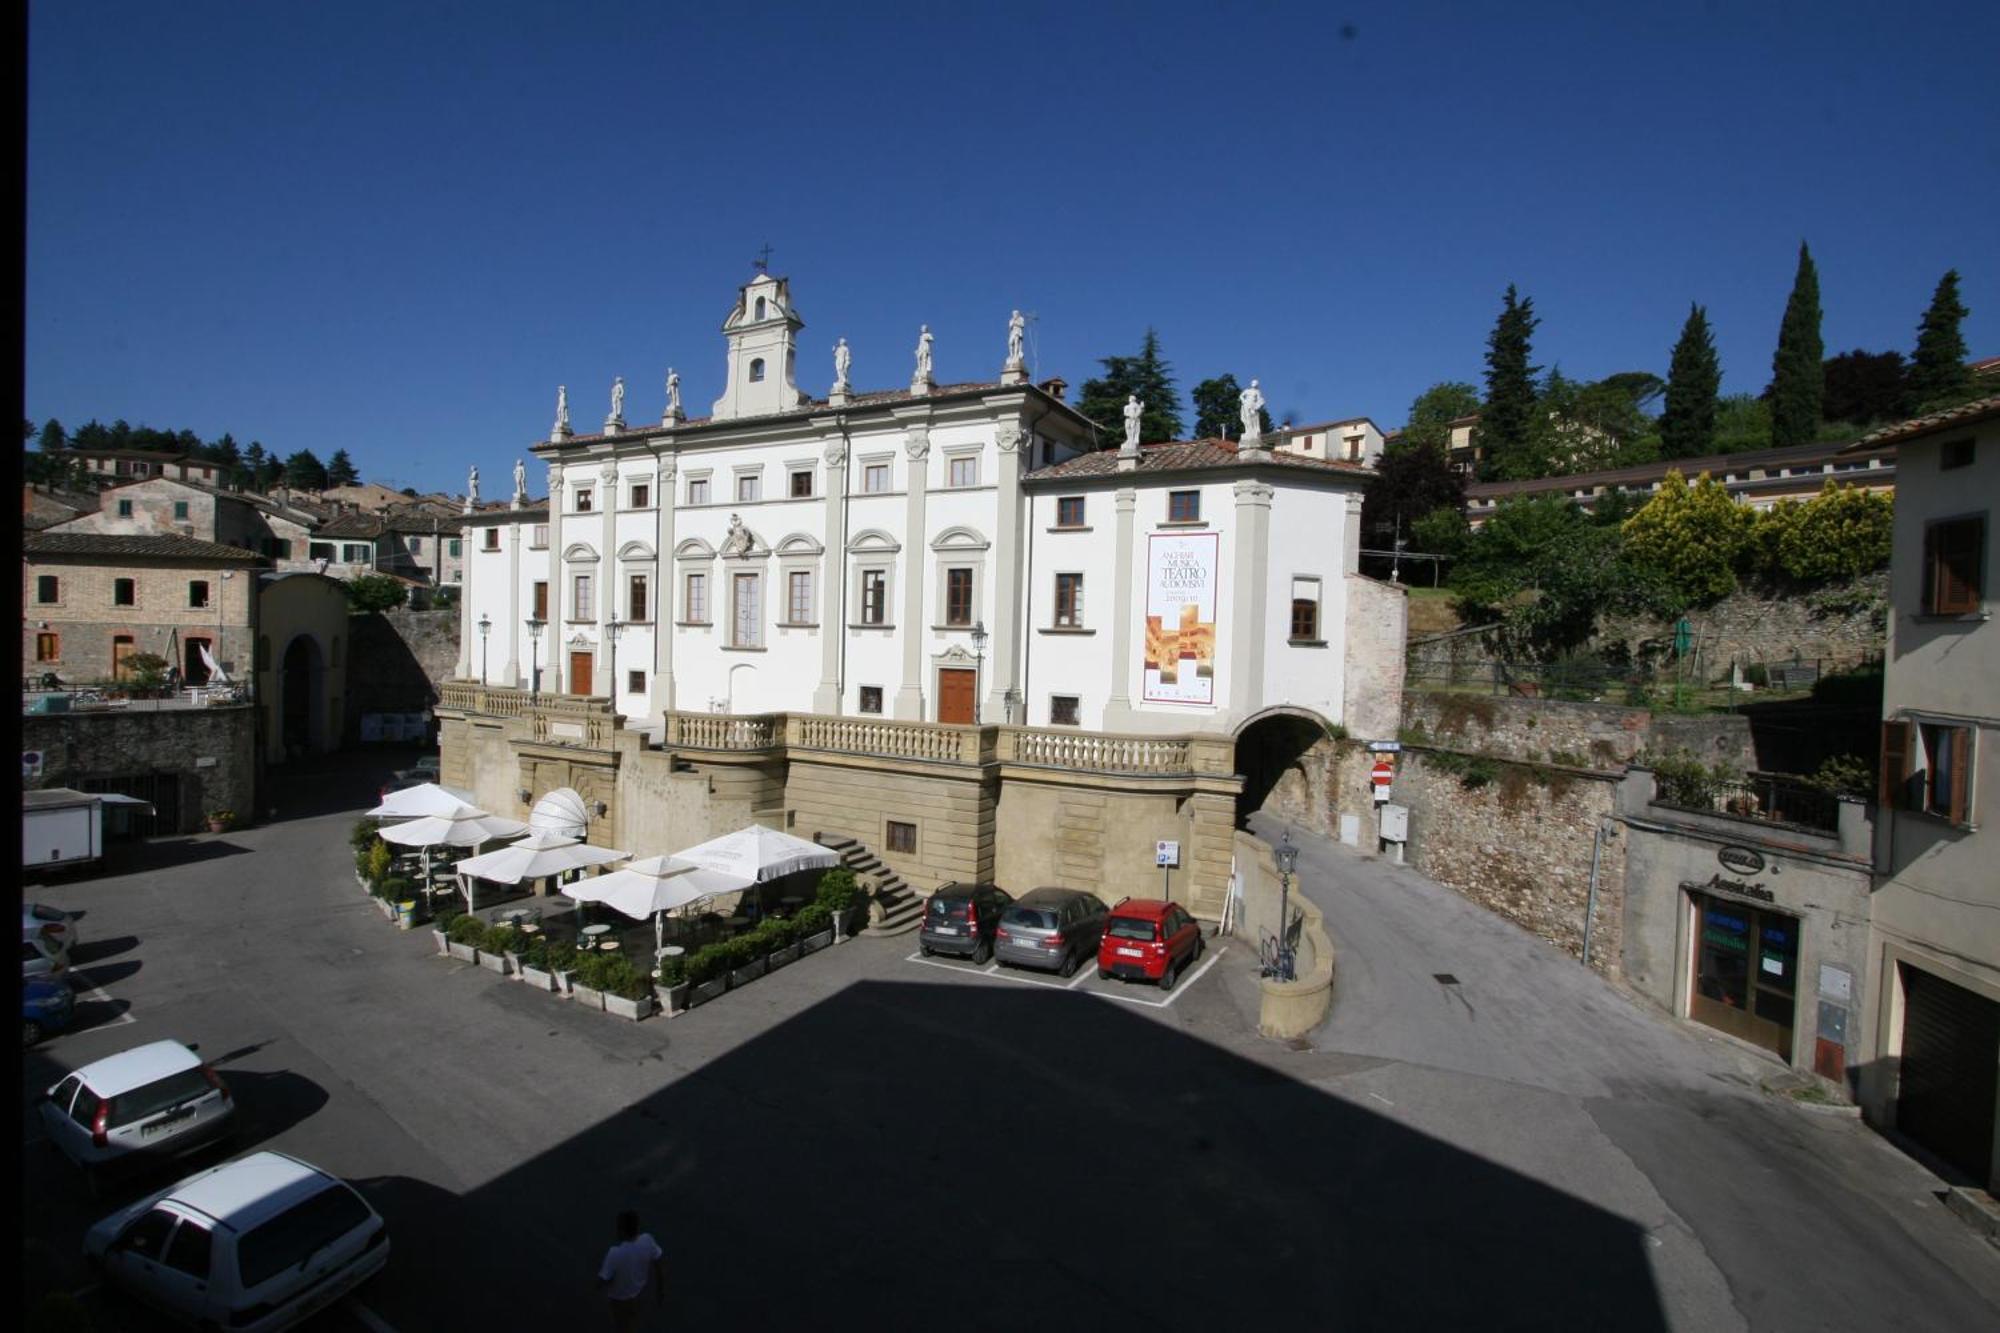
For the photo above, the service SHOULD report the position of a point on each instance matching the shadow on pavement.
(268, 1104)
(91, 951)
(351, 780)
(1073, 1160)
(101, 975)
(134, 858)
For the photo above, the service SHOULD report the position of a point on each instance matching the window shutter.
(1961, 774)
(1895, 764)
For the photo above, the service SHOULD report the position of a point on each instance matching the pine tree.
(340, 470)
(1798, 380)
(1506, 421)
(1147, 376)
(1687, 425)
(1938, 374)
(304, 471)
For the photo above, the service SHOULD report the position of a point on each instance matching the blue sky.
(396, 228)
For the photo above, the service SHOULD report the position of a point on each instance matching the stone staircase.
(900, 907)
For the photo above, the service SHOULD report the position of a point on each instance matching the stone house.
(92, 600)
(164, 505)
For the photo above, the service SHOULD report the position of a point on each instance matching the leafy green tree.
(1938, 373)
(90, 435)
(1691, 537)
(1507, 419)
(1540, 567)
(1840, 533)
(1687, 426)
(1146, 375)
(340, 470)
(1435, 409)
(1864, 387)
(1441, 532)
(1410, 481)
(375, 592)
(1798, 381)
(1742, 421)
(1584, 427)
(1218, 410)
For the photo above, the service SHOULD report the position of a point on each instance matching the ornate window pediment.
(580, 553)
(694, 548)
(874, 541)
(959, 539)
(635, 552)
(799, 544)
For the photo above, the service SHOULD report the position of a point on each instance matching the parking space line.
(1180, 987)
(949, 967)
(1083, 974)
(92, 991)
(367, 1318)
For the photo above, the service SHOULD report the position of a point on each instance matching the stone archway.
(1272, 752)
(302, 698)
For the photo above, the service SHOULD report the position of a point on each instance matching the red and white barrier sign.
(1384, 774)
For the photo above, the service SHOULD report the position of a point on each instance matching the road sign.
(31, 764)
(1166, 853)
(1384, 774)
(1386, 747)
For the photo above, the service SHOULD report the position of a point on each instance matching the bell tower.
(763, 351)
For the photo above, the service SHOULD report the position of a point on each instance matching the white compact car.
(50, 923)
(151, 1102)
(42, 956)
(254, 1244)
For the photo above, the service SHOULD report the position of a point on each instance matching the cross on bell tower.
(762, 263)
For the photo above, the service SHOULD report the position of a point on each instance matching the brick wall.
(86, 618)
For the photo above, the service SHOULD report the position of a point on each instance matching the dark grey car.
(962, 919)
(1052, 930)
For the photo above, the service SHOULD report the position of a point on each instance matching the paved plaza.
(868, 1134)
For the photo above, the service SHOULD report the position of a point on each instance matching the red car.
(1149, 939)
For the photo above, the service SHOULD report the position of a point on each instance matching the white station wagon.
(153, 1101)
(255, 1244)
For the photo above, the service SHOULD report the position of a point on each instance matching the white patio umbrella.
(426, 798)
(462, 826)
(540, 853)
(654, 886)
(757, 853)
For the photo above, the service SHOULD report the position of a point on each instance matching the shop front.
(1746, 964)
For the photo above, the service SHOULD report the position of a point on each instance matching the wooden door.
(955, 701)
(579, 673)
(122, 647)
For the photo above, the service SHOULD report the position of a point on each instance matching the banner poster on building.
(1180, 618)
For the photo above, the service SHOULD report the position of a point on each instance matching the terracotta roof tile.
(122, 546)
(1979, 409)
(1188, 456)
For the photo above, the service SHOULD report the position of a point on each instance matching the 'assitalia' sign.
(1180, 617)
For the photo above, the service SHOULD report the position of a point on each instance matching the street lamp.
(534, 659)
(485, 628)
(612, 628)
(978, 666)
(1287, 857)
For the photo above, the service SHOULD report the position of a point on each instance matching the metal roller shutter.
(1951, 1048)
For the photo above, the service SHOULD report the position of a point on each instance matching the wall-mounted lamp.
(600, 807)
(525, 795)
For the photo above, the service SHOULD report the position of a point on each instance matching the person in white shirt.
(627, 1265)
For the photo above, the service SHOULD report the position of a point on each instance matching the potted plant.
(746, 960)
(675, 985)
(462, 940)
(628, 992)
(707, 974)
(371, 865)
(221, 821)
(532, 964)
(392, 893)
(441, 928)
(780, 943)
(589, 986)
(495, 944)
(838, 892)
(814, 924)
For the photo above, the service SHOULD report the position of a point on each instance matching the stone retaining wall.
(212, 751)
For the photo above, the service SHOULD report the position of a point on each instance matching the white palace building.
(943, 574)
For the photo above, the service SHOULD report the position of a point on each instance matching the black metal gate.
(1951, 1041)
(162, 789)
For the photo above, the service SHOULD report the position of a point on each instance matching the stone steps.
(901, 907)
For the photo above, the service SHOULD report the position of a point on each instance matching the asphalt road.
(1756, 1213)
(863, 1136)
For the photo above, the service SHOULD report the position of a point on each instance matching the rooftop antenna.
(762, 263)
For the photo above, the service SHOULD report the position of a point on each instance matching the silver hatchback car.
(1052, 930)
(152, 1102)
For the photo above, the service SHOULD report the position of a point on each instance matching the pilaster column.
(1004, 678)
(607, 575)
(511, 673)
(1118, 708)
(662, 700)
(916, 552)
(833, 579)
(466, 628)
(558, 597)
(1252, 587)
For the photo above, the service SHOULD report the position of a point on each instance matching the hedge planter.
(632, 1009)
(537, 978)
(779, 957)
(749, 972)
(706, 991)
(678, 997)
(464, 953)
(814, 943)
(588, 998)
(443, 942)
(494, 962)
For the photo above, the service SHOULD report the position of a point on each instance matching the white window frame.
(966, 459)
(739, 579)
(861, 576)
(583, 594)
(793, 616)
(581, 500)
(1076, 620)
(698, 480)
(688, 607)
(753, 478)
(1307, 587)
(888, 474)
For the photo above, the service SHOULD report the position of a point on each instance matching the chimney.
(1055, 387)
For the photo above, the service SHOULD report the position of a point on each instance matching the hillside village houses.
(917, 618)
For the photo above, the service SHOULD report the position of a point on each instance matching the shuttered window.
(1895, 764)
(1954, 559)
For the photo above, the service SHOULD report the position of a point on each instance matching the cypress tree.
(1506, 421)
(1938, 374)
(1687, 424)
(1798, 380)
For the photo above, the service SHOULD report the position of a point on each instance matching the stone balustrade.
(553, 719)
(1094, 752)
(890, 740)
(469, 696)
(725, 731)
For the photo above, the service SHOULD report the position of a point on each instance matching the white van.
(255, 1244)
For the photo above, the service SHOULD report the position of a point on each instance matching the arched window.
(756, 370)
(760, 307)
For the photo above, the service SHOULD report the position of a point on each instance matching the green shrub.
(1682, 779)
(362, 834)
(740, 951)
(1844, 775)
(707, 963)
(499, 938)
(838, 889)
(467, 929)
(1757, 674)
(379, 861)
(774, 933)
(446, 918)
(395, 889)
(536, 955)
(673, 971)
(613, 974)
(812, 919)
